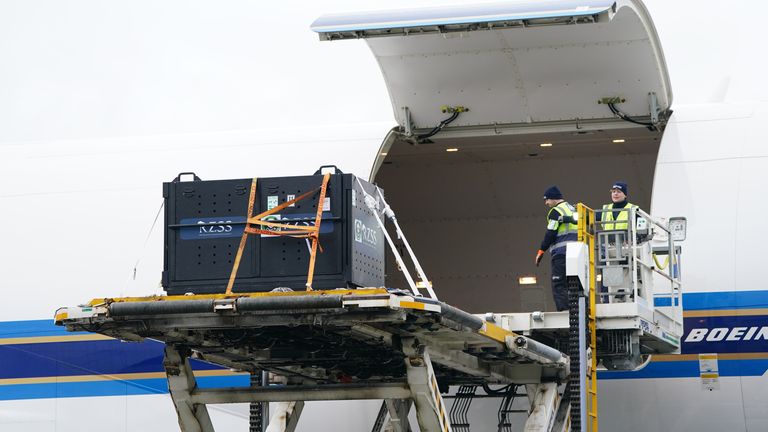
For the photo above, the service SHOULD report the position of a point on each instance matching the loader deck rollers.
(329, 345)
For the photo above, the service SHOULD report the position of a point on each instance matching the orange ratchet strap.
(316, 230)
(296, 231)
(243, 239)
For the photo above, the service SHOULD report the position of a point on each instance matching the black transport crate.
(204, 222)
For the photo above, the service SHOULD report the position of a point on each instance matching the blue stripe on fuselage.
(690, 369)
(723, 300)
(34, 328)
(106, 357)
(112, 357)
(110, 387)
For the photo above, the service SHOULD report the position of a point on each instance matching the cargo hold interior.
(475, 217)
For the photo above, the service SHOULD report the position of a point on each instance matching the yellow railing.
(586, 229)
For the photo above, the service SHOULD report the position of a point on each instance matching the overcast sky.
(96, 68)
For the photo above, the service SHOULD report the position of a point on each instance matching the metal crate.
(204, 222)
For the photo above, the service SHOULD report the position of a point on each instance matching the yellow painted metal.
(412, 305)
(489, 330)
(496, 333)
(586, 230)
(342, 292)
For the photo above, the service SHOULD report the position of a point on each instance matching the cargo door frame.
(513, 68)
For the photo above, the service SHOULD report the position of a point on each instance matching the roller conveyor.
(328, 345)
(325, 336)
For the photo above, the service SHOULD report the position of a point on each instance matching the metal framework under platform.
(618, 325)
(329, 345)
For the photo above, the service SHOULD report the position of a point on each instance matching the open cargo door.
(535, 78)
(517, 64)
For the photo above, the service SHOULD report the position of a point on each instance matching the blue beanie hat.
(620, 186)
(553, 192)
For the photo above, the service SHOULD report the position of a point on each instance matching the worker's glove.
(566, 219)
(539, 255)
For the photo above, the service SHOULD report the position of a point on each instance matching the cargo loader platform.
(329, 345)
(619, 327)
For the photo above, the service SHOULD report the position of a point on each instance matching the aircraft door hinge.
(654, 108)
(408, 122)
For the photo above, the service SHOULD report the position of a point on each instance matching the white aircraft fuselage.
(101, 103)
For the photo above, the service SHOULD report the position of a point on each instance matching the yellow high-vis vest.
(566, 232)
(620, 220)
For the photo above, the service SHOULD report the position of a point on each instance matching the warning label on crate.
(271, 202)
(271, 218)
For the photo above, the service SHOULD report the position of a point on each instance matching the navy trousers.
(559, 283)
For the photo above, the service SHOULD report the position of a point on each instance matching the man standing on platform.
(561, 229)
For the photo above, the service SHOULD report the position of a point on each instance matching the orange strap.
(243, 239)
(286, 233)
(256, 220)
(316, 231)
(295, 231)
(287, 226)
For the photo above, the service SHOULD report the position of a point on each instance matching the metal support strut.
(393, 416)
(286, 416)
(193, 417)
(544, 408)
(430, 407)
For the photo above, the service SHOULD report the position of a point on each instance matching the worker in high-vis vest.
(618, 216)
(561, 229)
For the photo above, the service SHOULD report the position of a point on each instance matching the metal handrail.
(670, 272)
